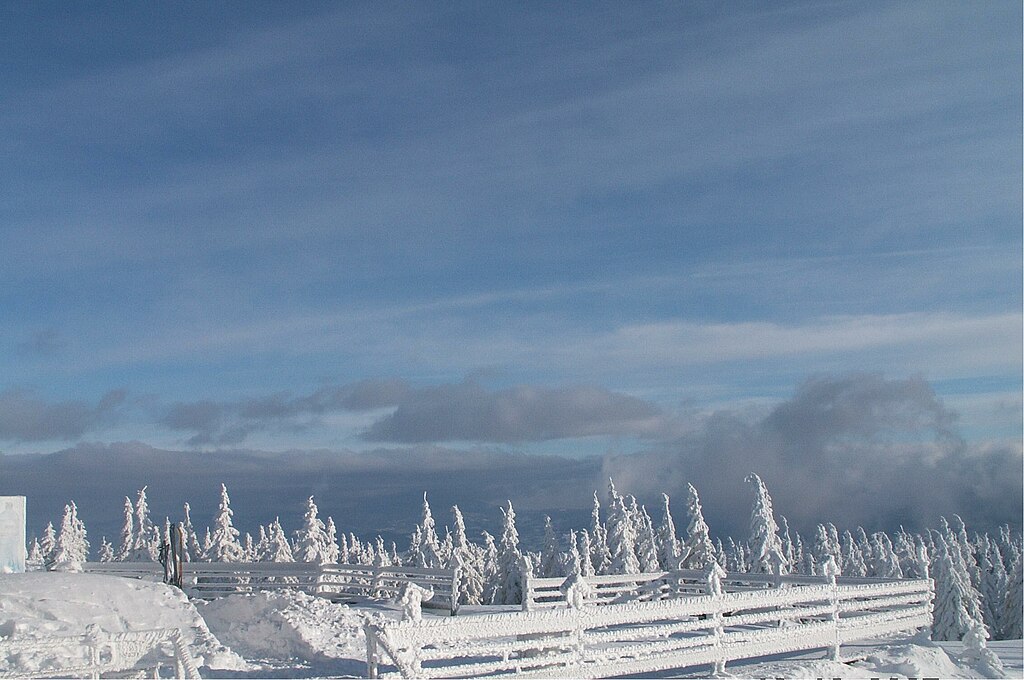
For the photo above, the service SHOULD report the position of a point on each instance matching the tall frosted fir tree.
(127, 531)
(71, 545)
(957, 610)
(224, 543)
(668, 542)
(146, 543)
(600, 556)
(311, 541)
(698, 551)
(766, 555)
(621, 538)
(429, 553)
(550, 563)
(508, 576)
(469, 561)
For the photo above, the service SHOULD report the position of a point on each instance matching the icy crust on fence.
(283, 626)
(40, 605)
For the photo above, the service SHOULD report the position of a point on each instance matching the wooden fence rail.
(337, 582)
(643, 637)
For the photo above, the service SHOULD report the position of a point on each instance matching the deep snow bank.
(42, 604)
(285, 626)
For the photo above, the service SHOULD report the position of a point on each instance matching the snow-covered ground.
(292, 634)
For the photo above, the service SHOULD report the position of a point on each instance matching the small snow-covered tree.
(311, 539)
(1013, 605)
(549, 565)
(224, 541)
(586, 565)
(35, 552)
(621, 538)
(886, 564)
(469, 562)
(668, 542)
(994, 582)
(127, 531)
(508, 578)
(956, 607)
(788, 549)
(276, 548)
(698, 550)
(852, 563)
(193, 549)
(600, 556)
(647, 543)
(765, 546)
(146, 539)
(106, 551)
(72, 545)
(332, 549)
(429, 554)
(48, 543)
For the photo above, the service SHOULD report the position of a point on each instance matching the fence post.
(713, 575)
(830, 570)
(371, 649)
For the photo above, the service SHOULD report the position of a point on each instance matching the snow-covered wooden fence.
(95, 652)
(541, 593)
(336, 582)
(647, 637)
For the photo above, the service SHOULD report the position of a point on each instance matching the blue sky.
(576, 228)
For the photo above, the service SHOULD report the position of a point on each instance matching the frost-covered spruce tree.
(193, 548)
(71, 545)
(489, 558)
(886, 564)
(333, 551)
(668, 542)
(967, 556)
(106, 551)
(852, 563)
(277, 548)
(508, 577)
(600, 556)
(249, 548)
(48, 543)
(821, 548)
(550, 564)
(468, 560)
(647, 544)
(311, 539)
(698, 551)
(428, 553)
(1013, 605)
(621, 539)
(956, 609)
(224, 541)
(35, 552)
(146, 540)
(765, 546)
(127, 532)
(994, 582)
(788, 550)
(584, 548)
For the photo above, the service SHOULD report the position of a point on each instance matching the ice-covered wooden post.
(411, 601)
(713, 576)
(577, 591)
(370, 633)
(525, 576)
(830, 570)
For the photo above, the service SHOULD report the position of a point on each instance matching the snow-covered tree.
(1013, 605)
(621, 537)
(333, 551)
(852, 562)
(71, 544)
(146, 537)
(127, 531)
(957, 609)
(668, 542)
(586, 565)
(788, 549)
(698, 550)
(550, 563)
(106, 551)
(224, 541)
(600, 556)
(311, 539)
(35, 552)
(765, 546)
(276, 548)
(994, 582)
(507, 587)
(469, 562)
(48, 543)
(193, 549)
(428, 554)
(886, 563)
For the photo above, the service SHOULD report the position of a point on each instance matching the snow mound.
(44, 604)
(285, 626)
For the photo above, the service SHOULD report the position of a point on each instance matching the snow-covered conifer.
(621, 537)
(765, 546)
(332, 551)
(956, 608)
(698, 551)
(72, 544)
(886, 564)
(489, 558)
(277, 548)
(127, 531)
(468, 560)
(106, 551)
(600, 556)
(508, 577)
(994, 582)
(146, 538)
(311, 539)
(224, 541)
(35, 552)
(668, 542)
(48, 543)
(1013, 605)
(429, 554)
(647, 544)
(549, 564)
(788, 550)
(852, 563)
(586, 566)
(193, 549)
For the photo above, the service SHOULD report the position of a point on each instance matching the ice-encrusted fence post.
(526, 575)
(830, 570)
(96, 639)
(713, 576)
(370, 633)
(577, 591)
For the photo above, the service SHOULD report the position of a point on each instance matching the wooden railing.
(652, 636)
(337, 582)
(94, 653)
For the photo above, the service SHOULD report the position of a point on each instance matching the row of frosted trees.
(978, 579)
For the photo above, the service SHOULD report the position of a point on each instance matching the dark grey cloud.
(468, 412)
(26, 417)
(854, 449)
(445, 413)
